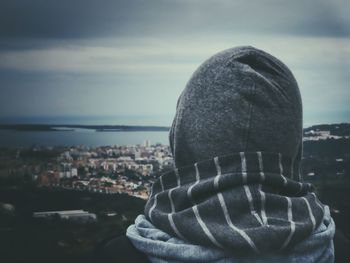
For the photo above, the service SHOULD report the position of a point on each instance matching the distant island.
(72, 127)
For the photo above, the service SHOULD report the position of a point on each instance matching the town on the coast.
(106, 169)
(63, 200)
(131, 169)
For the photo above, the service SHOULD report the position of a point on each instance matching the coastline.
(72, 127)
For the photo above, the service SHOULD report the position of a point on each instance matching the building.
(76, 216)
(147, 143)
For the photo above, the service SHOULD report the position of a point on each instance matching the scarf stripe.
(153, 207)
(196, 212)
(173, 226)
(281, 169)
(292, 224)
(312, 218)
(246, 188)
(205, 228)
(161, 183)
(318, 202)
(224, 207)
(262, 194)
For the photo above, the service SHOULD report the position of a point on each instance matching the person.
(236, 193)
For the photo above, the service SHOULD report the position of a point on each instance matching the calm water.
(67, 138)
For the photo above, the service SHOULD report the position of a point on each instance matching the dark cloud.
(58, 19)
(74, 57)
(67, 19)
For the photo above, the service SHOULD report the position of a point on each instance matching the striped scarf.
(242, 202)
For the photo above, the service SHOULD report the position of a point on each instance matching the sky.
(126, 62)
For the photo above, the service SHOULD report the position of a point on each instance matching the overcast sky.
(129, 60)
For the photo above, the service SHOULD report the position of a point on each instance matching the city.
(109, 169)
(62, 201)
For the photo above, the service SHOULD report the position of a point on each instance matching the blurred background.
(88, 90)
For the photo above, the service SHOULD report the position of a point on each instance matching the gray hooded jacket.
(237, 144)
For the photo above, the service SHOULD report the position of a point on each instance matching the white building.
(74, 172)
(147, 143)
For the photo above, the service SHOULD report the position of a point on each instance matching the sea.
(11, 138)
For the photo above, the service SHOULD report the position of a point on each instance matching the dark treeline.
(330, 148)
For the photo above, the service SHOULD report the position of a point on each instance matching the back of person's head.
(241, 99)
(236, 188)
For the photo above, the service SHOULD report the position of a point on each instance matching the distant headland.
(72, 127)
